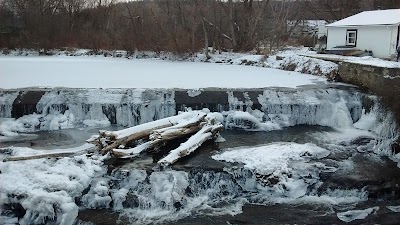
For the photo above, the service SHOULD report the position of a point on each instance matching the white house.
(377, 31)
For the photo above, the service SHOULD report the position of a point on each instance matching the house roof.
(377, 17)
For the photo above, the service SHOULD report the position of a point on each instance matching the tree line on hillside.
(180, 26)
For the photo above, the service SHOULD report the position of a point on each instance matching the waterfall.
(330, 107)
(268, 109)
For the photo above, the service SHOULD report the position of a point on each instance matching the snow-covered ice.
(284, 165)
(46, 189)
(394, 208)
(273, 158)
(79, 72)
(247, 121)
(36, 122)
(351, 215)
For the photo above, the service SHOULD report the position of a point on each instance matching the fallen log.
(39, 156)
(131, 152)
(206, 133)
(127, 140)
(53, 153)
(109, 140)
(166, 135)
(178, 129)
(157, 133)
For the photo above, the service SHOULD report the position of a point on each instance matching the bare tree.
(158, 25)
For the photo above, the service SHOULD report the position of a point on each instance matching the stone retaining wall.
(384, 82)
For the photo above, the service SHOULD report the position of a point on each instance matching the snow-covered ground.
(365, 60)
(96, 72)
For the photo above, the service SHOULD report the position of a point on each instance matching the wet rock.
(25, 103)
(267, 180)
(100, 217)
(132, 201)
(14, 208)
(178, 205)
(396, 147)
(290, 67)
(386, 191)
(361, 141)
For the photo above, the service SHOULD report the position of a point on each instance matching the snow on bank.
(46, 188)
(291, 61)
(366, 60)
(78, 72)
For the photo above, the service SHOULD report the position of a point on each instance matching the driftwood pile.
(131, 142)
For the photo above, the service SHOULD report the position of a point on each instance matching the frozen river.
(91, 72)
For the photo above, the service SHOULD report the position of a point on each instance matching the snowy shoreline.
(287, 62)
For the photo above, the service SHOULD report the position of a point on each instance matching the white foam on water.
(171, 195)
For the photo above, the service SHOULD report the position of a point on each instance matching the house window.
(351, 37)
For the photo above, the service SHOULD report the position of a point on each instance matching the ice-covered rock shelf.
(261, 109)
(64, 108)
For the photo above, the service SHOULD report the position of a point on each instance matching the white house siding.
(393, 40)
(381, 40)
